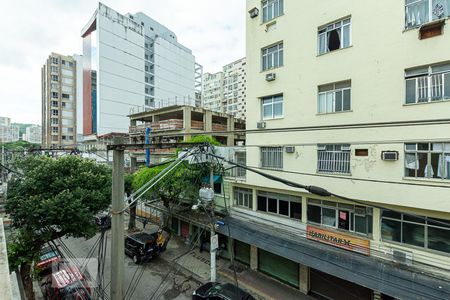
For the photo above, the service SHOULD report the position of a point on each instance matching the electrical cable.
(319, 191)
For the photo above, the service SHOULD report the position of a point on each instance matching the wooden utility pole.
(117, 227)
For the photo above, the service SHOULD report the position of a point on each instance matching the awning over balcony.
(392, 279)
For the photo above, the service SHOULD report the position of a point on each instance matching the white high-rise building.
(212, 91)
(131, 62)
(8, 132)
(225, 91)
(33, 134)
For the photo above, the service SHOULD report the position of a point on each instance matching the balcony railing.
(166, 125)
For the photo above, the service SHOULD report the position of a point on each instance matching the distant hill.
(22, 127)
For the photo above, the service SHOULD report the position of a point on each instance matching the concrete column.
(187, 120)
(376, 224)
(133, 163)
(304, 279)
(230, 128)
(253, 257)
(230, 248)
(207, 121)
(304, 210)
(254, 200)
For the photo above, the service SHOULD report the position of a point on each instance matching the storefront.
(270, 263)
(242, 252)
(330, 287)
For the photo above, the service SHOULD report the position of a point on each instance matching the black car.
(103, 221)
(143, 246)
(219, 291)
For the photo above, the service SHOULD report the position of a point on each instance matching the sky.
(32, 29)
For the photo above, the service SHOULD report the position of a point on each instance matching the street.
(160, 279)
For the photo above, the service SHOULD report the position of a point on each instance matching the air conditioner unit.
(402, 257)
(271, 76)
(289, 149)
(261, 125)
(254, 12)
(389, 155)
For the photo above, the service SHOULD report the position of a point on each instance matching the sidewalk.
(198, 264)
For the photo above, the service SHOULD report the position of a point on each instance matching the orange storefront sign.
(340, 240)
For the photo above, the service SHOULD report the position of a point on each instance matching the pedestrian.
(144, 222)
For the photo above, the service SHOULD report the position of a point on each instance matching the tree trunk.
(25, 274)
(132, 221)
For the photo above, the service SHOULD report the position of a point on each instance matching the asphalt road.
(160, 279)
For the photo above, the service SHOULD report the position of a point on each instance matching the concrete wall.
(5, 281)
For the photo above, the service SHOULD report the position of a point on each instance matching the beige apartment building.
(351, 96)
(59, 101)
(212, 91)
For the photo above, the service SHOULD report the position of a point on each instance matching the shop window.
(418, 231)
(347, 217)
(284, 205)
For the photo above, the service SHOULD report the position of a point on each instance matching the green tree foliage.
(20, 145)
(204, 139)
(54, 198)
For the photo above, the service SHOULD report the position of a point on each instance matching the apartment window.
(54, 77)
(334, 36)
(419, 231)
(54, 129)
(54, 103)
(54, 112)
(419, 12)
(272, 9)
(243, 197)
(272, 157)
(53, 121)
(280, 204)
(55, 60)
(65, 96)
(335, 97)
(348, 217)
(427, 84)
(427, 160)
(333, 158)
(54, 95)
(66, 105)
(272, 107)
(272, 56)
(54, 69)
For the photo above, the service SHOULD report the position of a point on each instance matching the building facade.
(33, 134)
(367, 120)
(234, 88)
(8, 133)
(225, 91)
(212, 91)
(131, 63)
(59, 94)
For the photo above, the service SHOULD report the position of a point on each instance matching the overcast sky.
(32, 29)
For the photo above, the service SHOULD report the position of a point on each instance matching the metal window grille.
(333, 159)
(240, 158)
(272, 157)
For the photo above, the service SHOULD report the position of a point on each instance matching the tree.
(51, 199)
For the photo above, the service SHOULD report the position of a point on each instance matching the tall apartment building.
(131, 62)
(59, 101)
(8, 132)
(212, 91)
(33, 134)
(225, 91)
(234, 89)
(359, 107)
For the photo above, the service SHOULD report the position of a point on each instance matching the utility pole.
(213, 230)
(117, 227)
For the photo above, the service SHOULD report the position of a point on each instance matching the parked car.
(103, 220)
(47, 258)
(66, 284)
(143, 246)
(219, 291)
